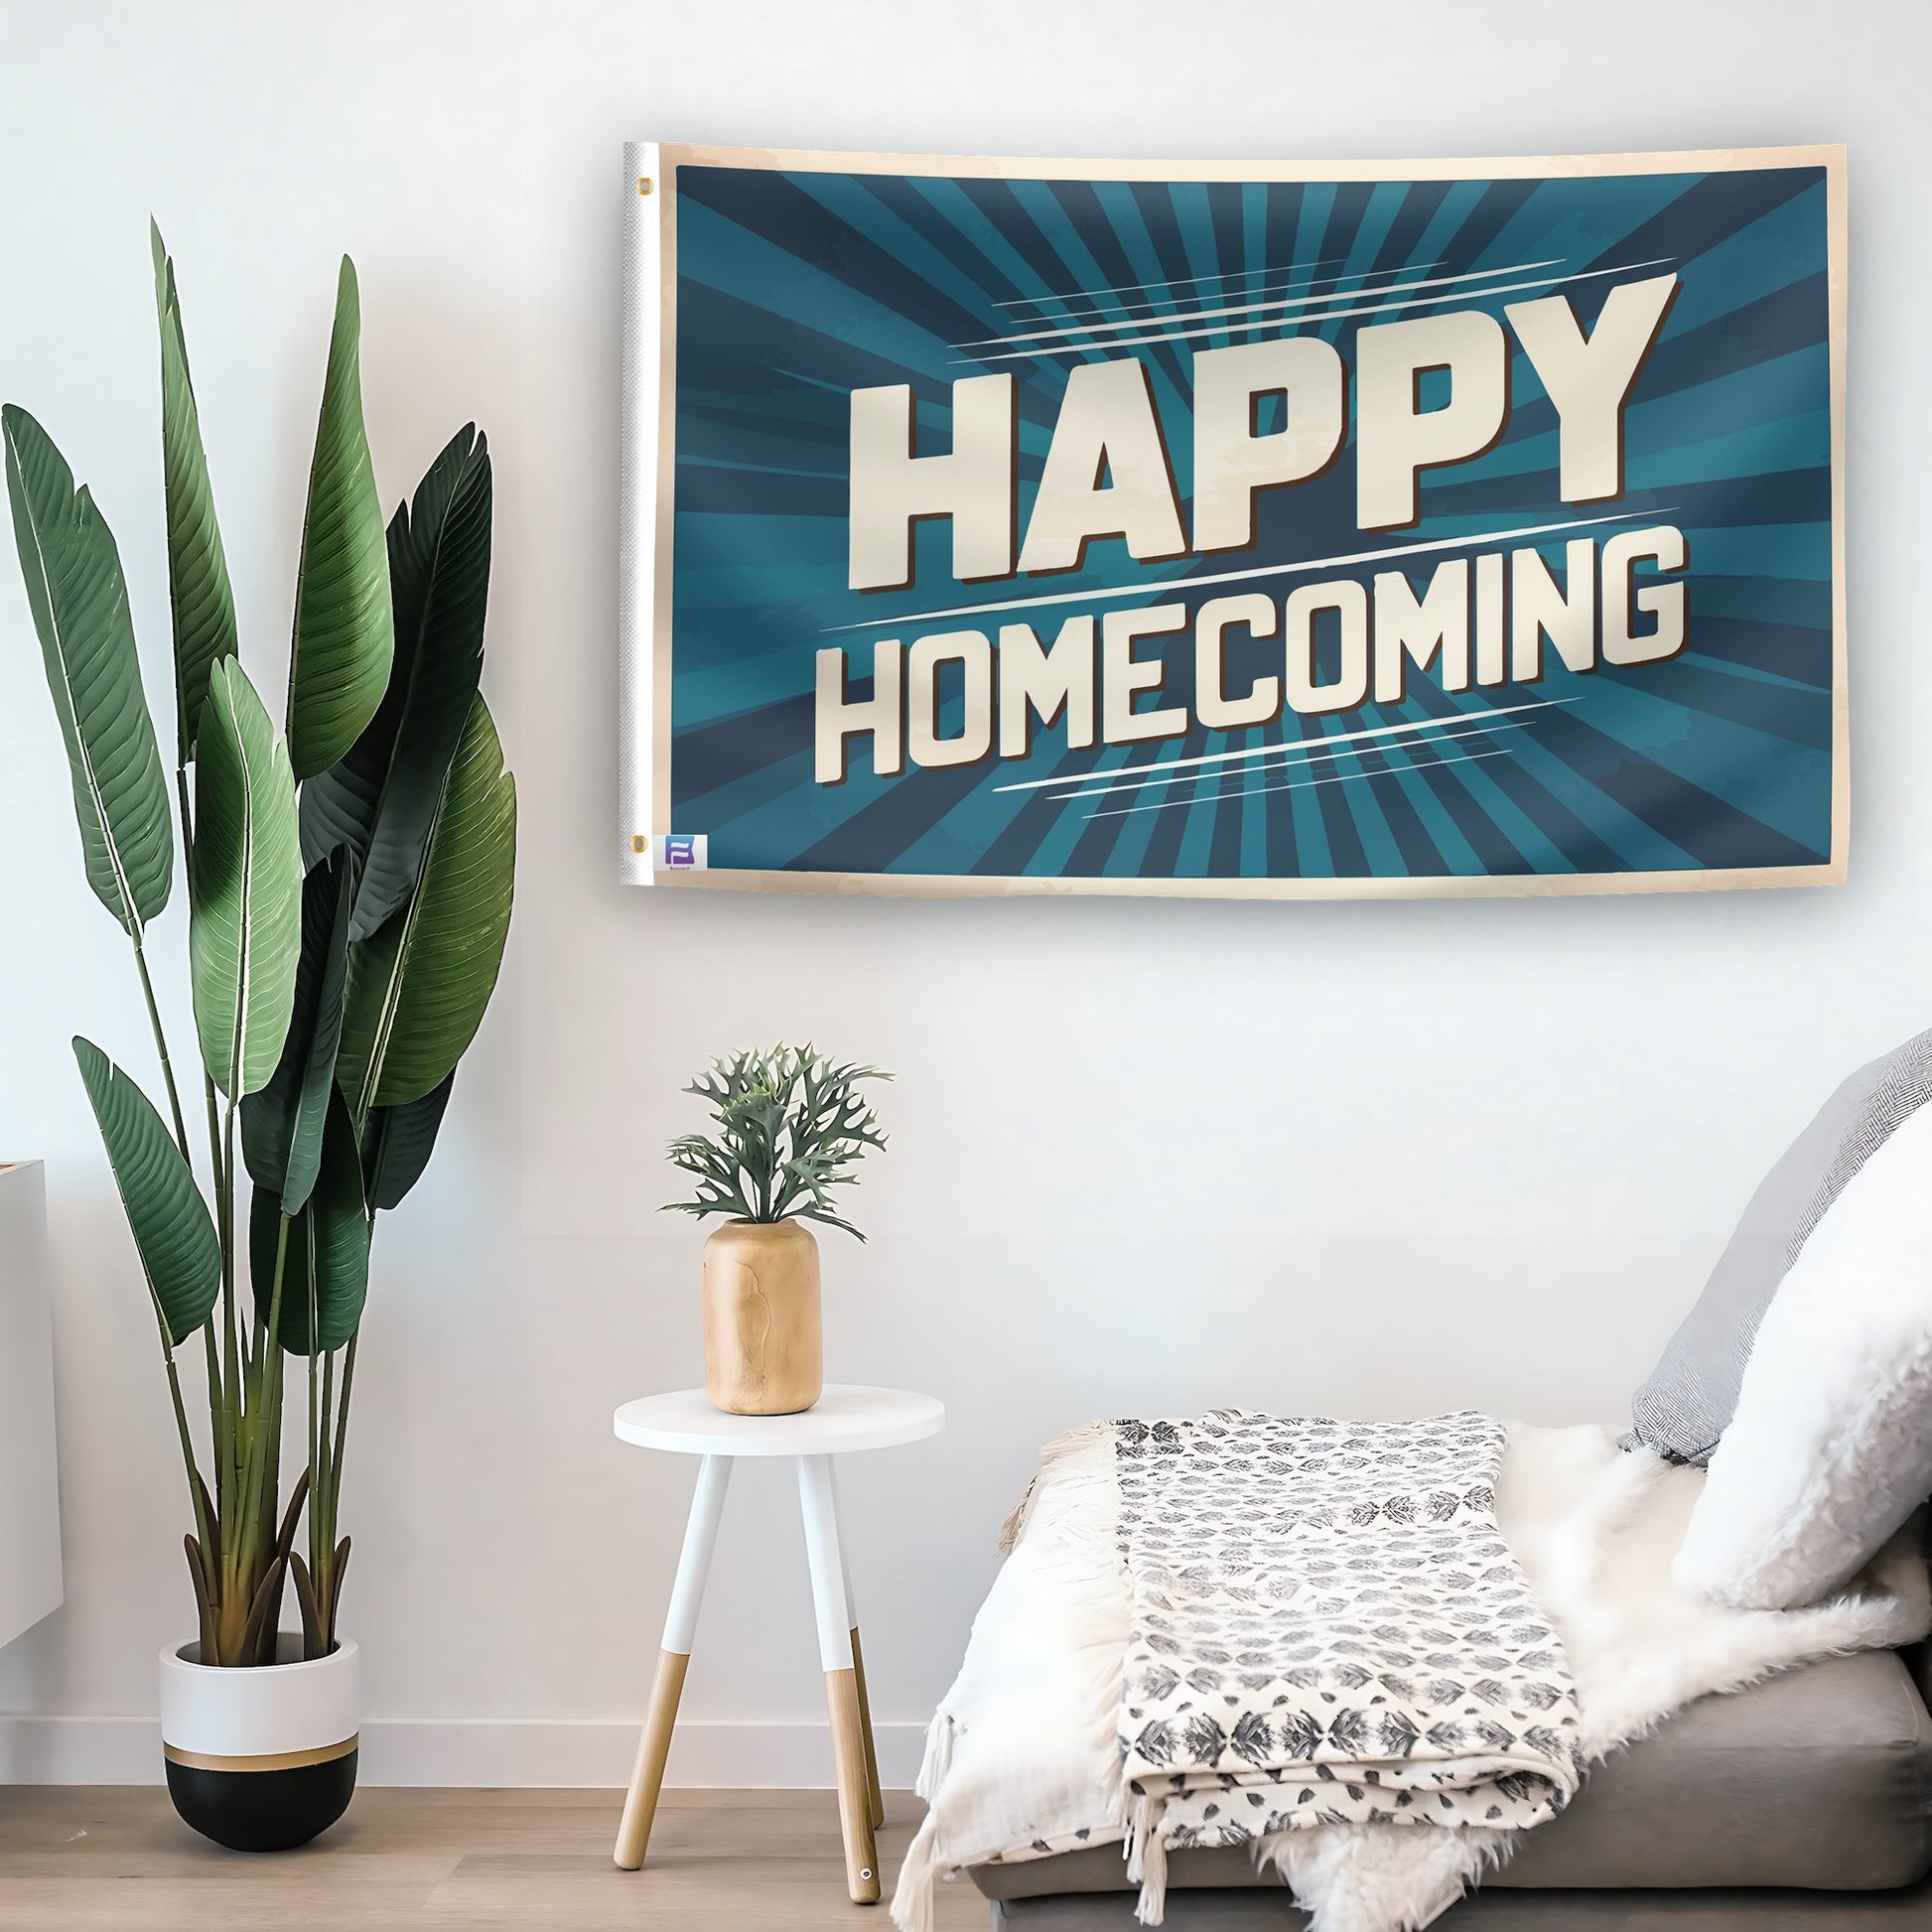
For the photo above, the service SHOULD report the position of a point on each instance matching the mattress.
(1819, 1779)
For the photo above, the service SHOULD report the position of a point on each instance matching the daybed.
(1801, 1804)
(1698, 1697)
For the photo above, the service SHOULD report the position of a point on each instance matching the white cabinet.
(30, 1512)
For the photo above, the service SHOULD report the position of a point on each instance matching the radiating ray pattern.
(795, 287)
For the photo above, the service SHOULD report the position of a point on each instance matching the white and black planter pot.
(260, 1759)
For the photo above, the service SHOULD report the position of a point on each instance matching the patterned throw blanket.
(1326, 1626)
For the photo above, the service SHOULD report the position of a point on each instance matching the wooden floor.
(116, 1859)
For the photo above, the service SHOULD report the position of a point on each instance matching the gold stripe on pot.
(266, 1762)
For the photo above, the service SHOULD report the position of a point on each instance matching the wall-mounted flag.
(1233, 528)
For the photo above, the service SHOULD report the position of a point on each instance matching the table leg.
(877, 1797)
(819, 1508)
(680, 1625)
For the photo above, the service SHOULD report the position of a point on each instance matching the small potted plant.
(349, 881)
(789, 1127)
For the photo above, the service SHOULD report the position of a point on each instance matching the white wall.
(1148, 1157)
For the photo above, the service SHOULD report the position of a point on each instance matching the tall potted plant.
(790, 1126)
(349, 880)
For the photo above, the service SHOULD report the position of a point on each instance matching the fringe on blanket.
(937, 1760)
(1056, 1452)
(1146, 1860)
(921, 1869)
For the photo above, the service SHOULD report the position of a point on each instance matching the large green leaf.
(78, 599)
(198, 570)
(343, 630)
(399, 1142)
(380, 798)
(173, 1234)
(281, 1126)
(418, 989)
(244, 933)
(326, 1263)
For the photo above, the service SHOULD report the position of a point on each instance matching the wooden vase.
(764, 1344)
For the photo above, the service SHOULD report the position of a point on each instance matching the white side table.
(844, 1420)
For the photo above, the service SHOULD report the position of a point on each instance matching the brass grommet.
(639, 842)
(643, 184)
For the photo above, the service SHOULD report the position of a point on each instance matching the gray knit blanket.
(1327, 1626)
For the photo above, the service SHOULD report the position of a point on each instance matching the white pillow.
(1830, 1450)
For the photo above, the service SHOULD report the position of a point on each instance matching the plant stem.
(230, 1348)
(187, 814)
(341, 1414)
(316, 1430)
(234, 1414)
(321, 1526)
(201, 1525)
(219, 1396)
(161, 1048)
(267, 1413)
(218, 1432)
(246, 1563)
(321, 1521)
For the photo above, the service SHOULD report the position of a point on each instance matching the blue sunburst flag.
(1538, 474)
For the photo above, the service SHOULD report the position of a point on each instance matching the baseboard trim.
(480, 1752)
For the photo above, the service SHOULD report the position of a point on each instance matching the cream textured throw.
(1024, 1756)
(1325, 1626)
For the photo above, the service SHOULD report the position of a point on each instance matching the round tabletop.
(845, 1417)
